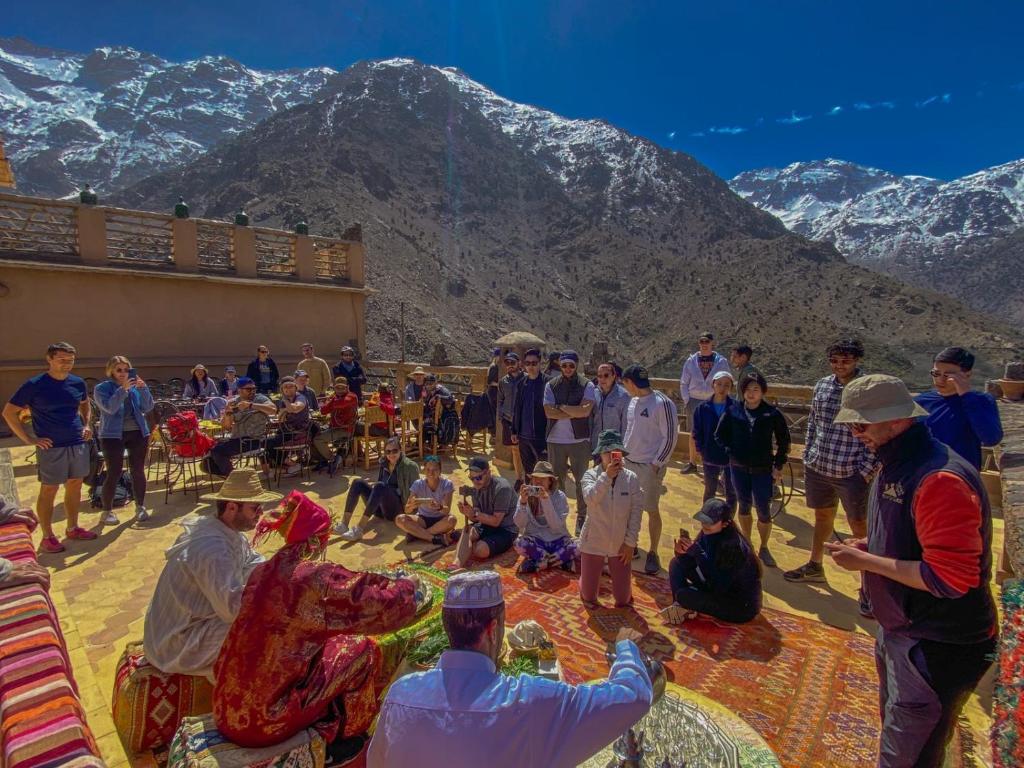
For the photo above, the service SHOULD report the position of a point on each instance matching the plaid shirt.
(831, 449)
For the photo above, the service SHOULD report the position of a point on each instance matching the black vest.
(906, 461)
(570, 392)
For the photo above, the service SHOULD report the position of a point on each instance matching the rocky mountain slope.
(116, 115)
(922, 230)
(484, 216)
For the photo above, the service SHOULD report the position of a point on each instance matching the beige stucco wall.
(165, 322)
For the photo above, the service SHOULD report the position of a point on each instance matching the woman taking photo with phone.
(746, 431)
(123, 401)
(716, 573)
(540, 517)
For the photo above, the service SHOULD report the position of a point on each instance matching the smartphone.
(132, 374)
(424, 500)
(616, 455)
(683, 533)
(533, 490)
(465, 490)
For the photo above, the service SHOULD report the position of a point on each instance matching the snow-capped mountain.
(117, 115)
(874, 216)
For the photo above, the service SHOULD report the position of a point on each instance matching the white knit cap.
(473, 589)
(722, 375)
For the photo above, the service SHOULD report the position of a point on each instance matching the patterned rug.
(808, 689)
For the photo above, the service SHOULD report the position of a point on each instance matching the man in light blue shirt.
(464, 713)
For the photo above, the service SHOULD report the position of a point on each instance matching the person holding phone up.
(428, 511)
(717, 573)
(123, 401)
(615, 507)
(540, 517)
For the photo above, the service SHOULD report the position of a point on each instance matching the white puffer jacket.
(613, 511)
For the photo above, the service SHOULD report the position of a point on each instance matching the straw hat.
(543, 469)
(243, 485)
(418, 371)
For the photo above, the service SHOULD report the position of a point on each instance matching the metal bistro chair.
(183, 467)
(158, 447)
(254, 451)
(297, 443)
(176, 387)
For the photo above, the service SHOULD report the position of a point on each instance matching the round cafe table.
(742, 746)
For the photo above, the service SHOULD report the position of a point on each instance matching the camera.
(533, 490)
(465, 490)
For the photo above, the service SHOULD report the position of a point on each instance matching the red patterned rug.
(809, 689)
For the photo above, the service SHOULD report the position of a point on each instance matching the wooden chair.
(374, 414)
(410, 428)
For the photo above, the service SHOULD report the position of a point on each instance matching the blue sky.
(934, 88)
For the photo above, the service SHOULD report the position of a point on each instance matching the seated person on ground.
(385, 400)
(290, 659)
(385, 498)
(540, 517)
(15, 574)
(200, 589)
(614, 509)
(465, 713)
(294, 423)
(490, 528)
(200, 386)
(342, 407)
(428, 512)
(717, 573)
(247, 416)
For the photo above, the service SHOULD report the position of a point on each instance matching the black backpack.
(477, 414)
(122, 491)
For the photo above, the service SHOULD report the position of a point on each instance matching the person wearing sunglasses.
(837, 466)
(385, 498)
(957, 416)
(927, 571)
(246, 417)
(529, 422)
(490, 528)
(610, 406)
(263, 370)
(568, 402)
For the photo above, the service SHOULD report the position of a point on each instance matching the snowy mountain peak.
(115, 115)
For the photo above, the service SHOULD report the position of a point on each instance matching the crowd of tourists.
(905, 469)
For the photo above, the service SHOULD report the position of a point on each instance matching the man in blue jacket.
(962, 419)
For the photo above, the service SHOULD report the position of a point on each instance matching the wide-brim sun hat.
(875, 398)
(418, 371)
(243, 485)
(543, 469)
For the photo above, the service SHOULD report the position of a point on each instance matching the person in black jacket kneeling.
(717, 573)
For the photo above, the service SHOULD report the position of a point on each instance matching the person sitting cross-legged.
(385, 498)
(540, 517)
(428, 514)
(717, 573)
(490, 529)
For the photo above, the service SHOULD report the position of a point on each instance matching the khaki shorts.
(652, 483)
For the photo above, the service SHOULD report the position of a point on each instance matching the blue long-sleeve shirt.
(464, 714)
(963, 422)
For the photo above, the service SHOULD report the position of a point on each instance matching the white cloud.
(793, 118)
(730, 130)
(944, 98)
(864, 106)
(671, 134)
(835, 110)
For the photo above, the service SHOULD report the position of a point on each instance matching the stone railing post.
(245, 252)
(305, 267)
(92, 235)
(185, 245)
(357, 265)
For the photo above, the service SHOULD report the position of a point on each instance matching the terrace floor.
(101, 589)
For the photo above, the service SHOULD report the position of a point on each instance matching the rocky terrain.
(931, 233)
(484, 215)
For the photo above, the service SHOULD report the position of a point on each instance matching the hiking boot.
(51, 544)
(810, 572)
(78, 532)
(355, 533)
(529, 566)
(766, 558)
(653, 565)
(109, 518)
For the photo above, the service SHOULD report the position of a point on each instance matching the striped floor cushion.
(198, 744)
(149, 704)
(42, 723)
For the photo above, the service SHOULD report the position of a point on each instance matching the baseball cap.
(479, 463)
(723, 375)
(638, 375)
(713, 511)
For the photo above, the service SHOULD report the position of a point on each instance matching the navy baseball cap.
(714, 511)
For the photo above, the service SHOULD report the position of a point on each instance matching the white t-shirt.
(561, 433)
(651, 429)
(420, 490)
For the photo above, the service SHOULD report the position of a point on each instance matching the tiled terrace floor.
(102, 588)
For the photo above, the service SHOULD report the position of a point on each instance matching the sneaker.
(51, 544)
(808, 572)
(653, 565)
(529, 566)
(80, 533)
(766, 558)
(688, 468)
(141, 514)
(109, 518)
(339, 529)
(355, 533)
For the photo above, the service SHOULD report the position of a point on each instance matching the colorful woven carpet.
(809, 690)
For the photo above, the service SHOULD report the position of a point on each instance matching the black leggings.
(381, 499)
(688, 591)
(113, 453)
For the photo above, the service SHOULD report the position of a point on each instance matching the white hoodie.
(692, 383)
